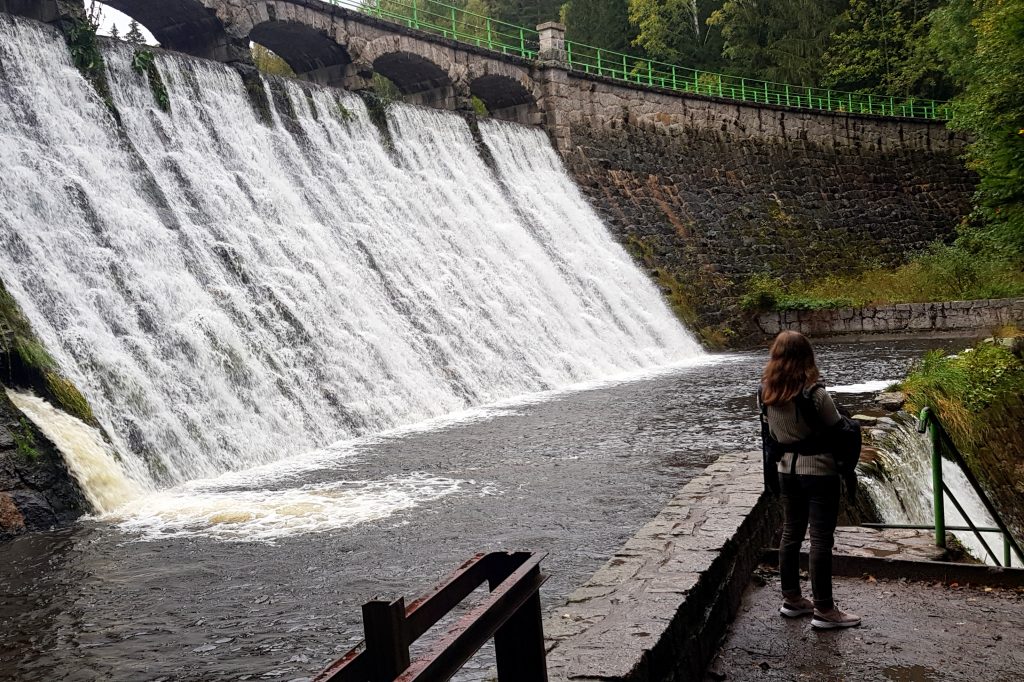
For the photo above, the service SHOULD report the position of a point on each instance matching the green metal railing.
(941, 443)
(453, 23)
(601, 62)
(458, 24)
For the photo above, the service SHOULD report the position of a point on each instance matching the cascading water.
(900, 485)
(227, 293)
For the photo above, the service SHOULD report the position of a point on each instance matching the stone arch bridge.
(336, 46)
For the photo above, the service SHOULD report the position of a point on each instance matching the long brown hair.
(790, 368)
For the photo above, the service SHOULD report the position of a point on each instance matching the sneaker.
(834, 618)
(799, 607)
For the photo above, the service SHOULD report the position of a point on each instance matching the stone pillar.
(552, 44)
(48, 11)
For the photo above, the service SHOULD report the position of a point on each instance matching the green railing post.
(454, 31)
(674, 87)
(926, 420)
(378, 7)
(650, 73)
(490, 42)
(743, 89)
(522, 44)
(415, 15)
(599, 62)
(568, 52)
(625, 72)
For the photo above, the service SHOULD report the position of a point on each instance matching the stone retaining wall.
(658, 608)
(966, 318)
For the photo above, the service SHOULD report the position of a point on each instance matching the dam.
(333, 348)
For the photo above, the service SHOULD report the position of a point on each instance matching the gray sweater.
(787, 426)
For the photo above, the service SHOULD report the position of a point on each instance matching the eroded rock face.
(37, 492)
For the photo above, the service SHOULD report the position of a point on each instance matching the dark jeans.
(810, 500)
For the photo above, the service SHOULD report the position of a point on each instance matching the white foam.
(864, 387)
(89, 458)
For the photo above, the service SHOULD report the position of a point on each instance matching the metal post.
(568, 52)
(625, 74)
(415, 15)
(387, 639)
(1007, 559)
(674, 77)
(650, 74)
(926, 420)
(522, 44)
(599, 62)
(519, 644)
(490, 42)
(743, 89)
(454, 32)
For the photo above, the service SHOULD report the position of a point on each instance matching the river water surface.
(273, 592)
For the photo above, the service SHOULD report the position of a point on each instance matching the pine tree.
(114, 33)
(134, 34)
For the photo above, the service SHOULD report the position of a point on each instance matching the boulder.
(893, 401)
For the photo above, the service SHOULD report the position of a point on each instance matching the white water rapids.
(228, 294)
(904, 492)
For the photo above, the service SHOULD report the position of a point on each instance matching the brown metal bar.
(511, 613)
(387, 639)
(474, 629)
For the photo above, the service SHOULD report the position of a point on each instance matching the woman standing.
(809, 483)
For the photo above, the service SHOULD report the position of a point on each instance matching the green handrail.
(592, 60)
(453, 23)
(940, 442)
(468, 27)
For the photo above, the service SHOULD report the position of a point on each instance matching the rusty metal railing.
(510, 614)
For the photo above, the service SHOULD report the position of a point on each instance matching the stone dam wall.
(962, 318)
(706, 193)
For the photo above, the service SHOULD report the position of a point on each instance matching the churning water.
(901, 487)
(228, 293)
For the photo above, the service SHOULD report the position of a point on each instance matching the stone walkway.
(889, 543)
(912, 632)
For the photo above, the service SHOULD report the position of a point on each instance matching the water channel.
(189, 594)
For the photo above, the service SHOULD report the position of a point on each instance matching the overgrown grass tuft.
(941, 273)
(975, 393)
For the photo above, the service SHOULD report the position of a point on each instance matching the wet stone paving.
(912, 632)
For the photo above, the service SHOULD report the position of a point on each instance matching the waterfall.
(228, 293)
(900, 485)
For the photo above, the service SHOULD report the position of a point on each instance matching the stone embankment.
(952, 318)
(658, 608)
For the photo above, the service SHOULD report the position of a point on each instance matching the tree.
(134, 34)
(882, 46)
(601, 23)
(781, 42)
(981, 42)
(526, 13)
(677, 31)
(114, 33)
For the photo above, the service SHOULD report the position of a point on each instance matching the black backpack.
(842, 440)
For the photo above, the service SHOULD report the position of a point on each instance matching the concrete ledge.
(659, 607)
(954, 318)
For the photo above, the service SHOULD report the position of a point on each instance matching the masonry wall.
(706, 192)
(969, 318)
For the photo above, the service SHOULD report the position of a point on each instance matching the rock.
(886, 422)
(892, 401)
(864, 419)
(877, 434)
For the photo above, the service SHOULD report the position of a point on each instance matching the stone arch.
(311, 53)
(411, 72)
(195, 27)
(508, 91)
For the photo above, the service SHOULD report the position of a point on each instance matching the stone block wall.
(658, 608)
(707, 192)
(968, 318)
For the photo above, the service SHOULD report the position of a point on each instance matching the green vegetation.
(942, 273)
(25, 441)
(976, 394)
(25, 361)
(603, 23)
(80, 36)
(144, 62)
(884, 48)
(269, 63)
